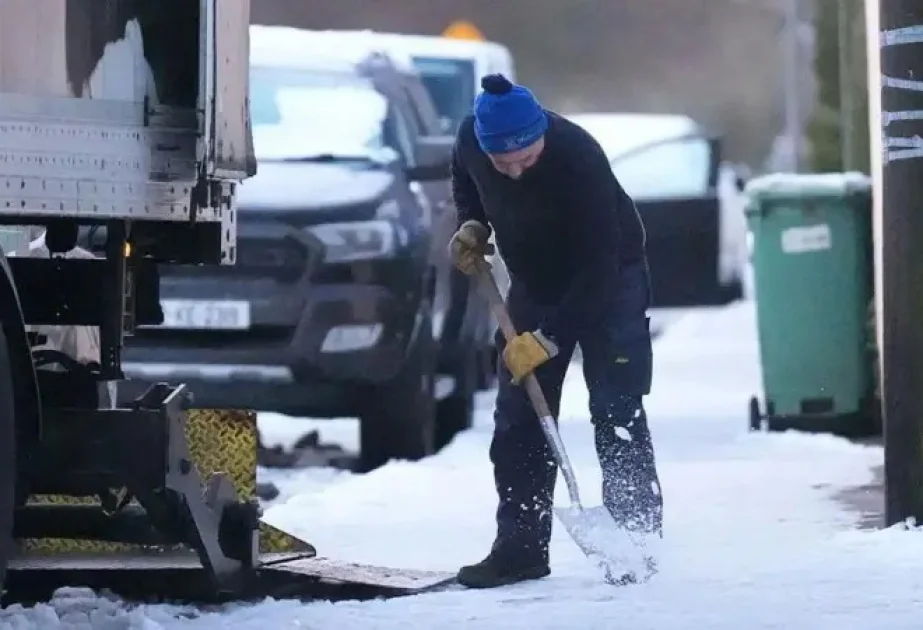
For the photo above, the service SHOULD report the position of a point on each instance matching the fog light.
(351, 337)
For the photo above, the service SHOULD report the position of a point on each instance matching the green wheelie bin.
(812, 265)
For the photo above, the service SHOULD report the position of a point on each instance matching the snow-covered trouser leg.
(631, 488)
(617, 365)
(524, 468)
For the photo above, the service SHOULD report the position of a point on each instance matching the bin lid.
(779, 186)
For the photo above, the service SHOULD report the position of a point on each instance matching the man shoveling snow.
(573, 244)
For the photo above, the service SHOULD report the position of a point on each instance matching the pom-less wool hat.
(507, 117)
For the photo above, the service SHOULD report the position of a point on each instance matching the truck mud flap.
(179, 577)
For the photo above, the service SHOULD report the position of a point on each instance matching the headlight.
(359, 240)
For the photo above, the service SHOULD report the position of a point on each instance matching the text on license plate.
(206, 314)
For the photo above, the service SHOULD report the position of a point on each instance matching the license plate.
(206, 314)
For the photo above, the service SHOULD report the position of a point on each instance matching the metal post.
(902, 256)
(845, 21)
(791, 86)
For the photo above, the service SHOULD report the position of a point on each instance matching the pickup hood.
(281, 186)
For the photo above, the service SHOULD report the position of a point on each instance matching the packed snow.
(754, 536)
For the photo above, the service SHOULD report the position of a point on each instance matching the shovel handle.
(489, 289)
(487, 285)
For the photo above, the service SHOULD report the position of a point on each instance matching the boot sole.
(526, 576)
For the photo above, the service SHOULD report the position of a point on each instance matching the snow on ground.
(753, 536)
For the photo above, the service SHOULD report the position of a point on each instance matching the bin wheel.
(756, 419)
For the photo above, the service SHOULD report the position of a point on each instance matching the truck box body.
(124, 109)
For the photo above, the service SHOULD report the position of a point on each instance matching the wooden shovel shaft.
(489, 289)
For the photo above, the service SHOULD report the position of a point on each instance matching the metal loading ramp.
(181, 577)
(210, 546)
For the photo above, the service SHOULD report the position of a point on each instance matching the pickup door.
(226, 141)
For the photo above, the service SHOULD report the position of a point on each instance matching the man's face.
(515, 163)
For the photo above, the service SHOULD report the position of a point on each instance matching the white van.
(450, 68)
(690, 200)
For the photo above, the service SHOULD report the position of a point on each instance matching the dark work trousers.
(617, 365)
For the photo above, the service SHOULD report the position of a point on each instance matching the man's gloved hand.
(469, 246)
(526, 352)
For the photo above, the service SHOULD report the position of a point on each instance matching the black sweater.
(563, 229)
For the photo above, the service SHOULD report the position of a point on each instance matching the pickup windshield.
(306, 115)
(451, 85)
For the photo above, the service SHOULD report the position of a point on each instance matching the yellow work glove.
(524, 353)
(469, 245)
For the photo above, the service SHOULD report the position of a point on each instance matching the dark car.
(342, 301)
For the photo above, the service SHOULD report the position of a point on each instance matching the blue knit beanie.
(507, 117)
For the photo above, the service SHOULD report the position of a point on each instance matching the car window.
(398, 133)
(421, 105)
(677, 168)
(304, 114)
(417, 117)
(451, 85)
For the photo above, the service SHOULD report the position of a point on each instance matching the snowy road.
(754, 538)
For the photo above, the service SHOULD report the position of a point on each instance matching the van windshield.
(451, 85)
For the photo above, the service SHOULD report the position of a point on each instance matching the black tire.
(732, 292)
(455, 413)
(400, 421)
(7, 456)
(756, 418)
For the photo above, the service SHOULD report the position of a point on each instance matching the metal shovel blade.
(610, 547)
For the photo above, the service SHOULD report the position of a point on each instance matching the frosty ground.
(754, 536)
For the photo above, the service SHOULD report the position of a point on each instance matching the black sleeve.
(593, 241)
(464, 193)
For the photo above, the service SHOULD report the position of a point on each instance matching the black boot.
(500, 570)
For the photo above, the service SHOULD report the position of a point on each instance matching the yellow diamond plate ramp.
(220, 440)
(225, 441)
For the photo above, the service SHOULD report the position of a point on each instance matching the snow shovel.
(592, 529)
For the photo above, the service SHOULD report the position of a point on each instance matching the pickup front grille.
(285, 259)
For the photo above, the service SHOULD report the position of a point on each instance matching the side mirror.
(434, 157)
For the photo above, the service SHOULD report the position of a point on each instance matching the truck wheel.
(400, 421)
(7, 456)
(455, 413)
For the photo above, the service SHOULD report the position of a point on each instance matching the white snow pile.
(795, 184)
(754, 536)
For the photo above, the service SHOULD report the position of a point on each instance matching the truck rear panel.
(124, 109)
